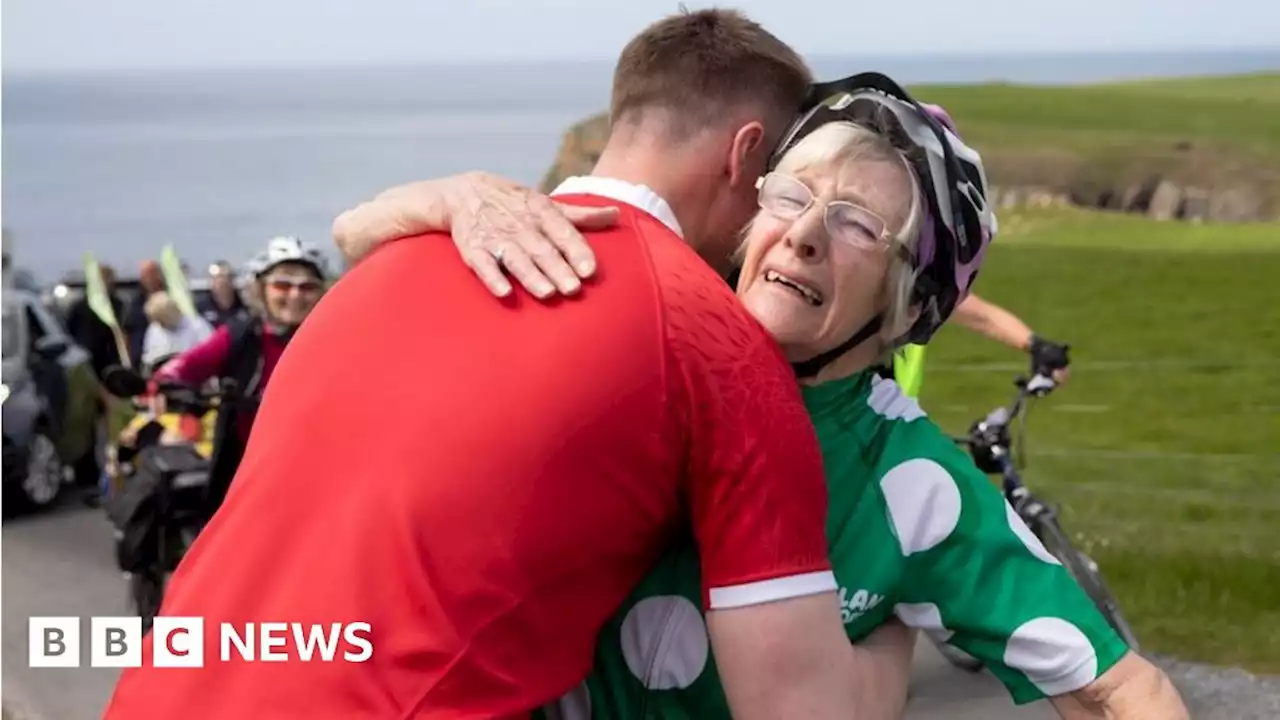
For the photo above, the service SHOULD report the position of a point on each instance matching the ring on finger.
(497, 253)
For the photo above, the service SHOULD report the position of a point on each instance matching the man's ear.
(745, 155)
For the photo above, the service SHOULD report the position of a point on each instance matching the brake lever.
(1040, 385)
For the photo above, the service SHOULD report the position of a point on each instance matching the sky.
(61, 35)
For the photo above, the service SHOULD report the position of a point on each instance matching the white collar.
(638, 196)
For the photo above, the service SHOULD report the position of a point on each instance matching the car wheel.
(45, 472)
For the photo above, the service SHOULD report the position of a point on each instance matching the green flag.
(95, 293)
(176, 281)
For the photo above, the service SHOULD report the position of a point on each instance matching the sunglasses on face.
(284, 285)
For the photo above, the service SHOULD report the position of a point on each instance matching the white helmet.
(285, 249)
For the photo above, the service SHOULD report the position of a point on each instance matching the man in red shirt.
(484, 481)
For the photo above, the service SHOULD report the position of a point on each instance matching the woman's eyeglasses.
(284, 285)
(846, 222)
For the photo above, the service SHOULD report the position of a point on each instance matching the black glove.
(1047, 356)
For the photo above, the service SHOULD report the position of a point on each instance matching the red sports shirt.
(484, 481)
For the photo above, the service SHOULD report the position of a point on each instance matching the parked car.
(50, 397)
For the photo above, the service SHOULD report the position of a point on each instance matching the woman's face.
(814, 278)
(289, 291)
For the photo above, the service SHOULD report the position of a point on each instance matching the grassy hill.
(1210, 132)
(1220, 133)
(1164, 448)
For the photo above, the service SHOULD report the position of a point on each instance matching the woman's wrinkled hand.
(498, 226)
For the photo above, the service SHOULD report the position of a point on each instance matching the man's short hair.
(696, 66)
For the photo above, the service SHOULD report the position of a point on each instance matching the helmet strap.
(811, 367)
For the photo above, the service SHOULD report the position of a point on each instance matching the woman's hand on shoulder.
(498, 226)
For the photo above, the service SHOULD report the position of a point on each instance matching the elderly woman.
(872, 227)
(169, 333)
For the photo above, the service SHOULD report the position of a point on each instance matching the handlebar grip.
(1040, 385)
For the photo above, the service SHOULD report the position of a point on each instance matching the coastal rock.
(1195, 205)
(1137, 198)
(1237, 204)
(583, 142)
(1164, 201)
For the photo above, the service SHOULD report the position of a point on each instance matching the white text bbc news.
(179, 642)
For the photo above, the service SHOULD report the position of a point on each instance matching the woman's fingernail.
(585, 268)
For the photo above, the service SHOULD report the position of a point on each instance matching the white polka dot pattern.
(1027, 537)
(664, 642)
(924, 504)
(1054, 655)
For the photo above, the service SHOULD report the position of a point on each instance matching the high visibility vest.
(908, 369)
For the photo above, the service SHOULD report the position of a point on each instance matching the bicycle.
(991, 445)
(161, 501)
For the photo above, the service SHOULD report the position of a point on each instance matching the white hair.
(841, 143)
(163, 309)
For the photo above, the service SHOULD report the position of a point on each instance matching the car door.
(13, 325)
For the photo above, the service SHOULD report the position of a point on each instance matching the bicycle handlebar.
(1037, 386)
(184, 396)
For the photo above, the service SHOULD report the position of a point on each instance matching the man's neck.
(642, 161)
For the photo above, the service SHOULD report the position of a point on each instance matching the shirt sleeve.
(201, 362)
(155, 343)
(978, 578)
(756, 492)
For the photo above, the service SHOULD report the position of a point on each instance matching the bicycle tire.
(146, 592)
(1086, 573)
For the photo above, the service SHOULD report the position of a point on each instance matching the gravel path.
(1215, 693)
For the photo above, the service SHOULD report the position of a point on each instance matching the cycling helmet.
(285, 249)
(958, 223)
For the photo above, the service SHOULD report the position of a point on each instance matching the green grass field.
(1164, 449)
(1204, 131)
(1233, 112)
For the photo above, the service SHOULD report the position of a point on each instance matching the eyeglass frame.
(884, 241)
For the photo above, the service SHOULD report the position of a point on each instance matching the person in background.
(97, 338)
(134, 323)
(223, 303)
(91, 333)
(170, 332)
(288, 280)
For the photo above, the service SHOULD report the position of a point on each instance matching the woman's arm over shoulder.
(978, 578)
(201, 362)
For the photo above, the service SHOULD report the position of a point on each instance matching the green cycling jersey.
(917, 532)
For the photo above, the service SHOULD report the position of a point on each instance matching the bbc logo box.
(55, 642)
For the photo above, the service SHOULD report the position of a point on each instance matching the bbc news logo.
(178, 642)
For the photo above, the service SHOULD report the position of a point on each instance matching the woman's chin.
(788, 321)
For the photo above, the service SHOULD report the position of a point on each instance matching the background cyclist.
(289, 278)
